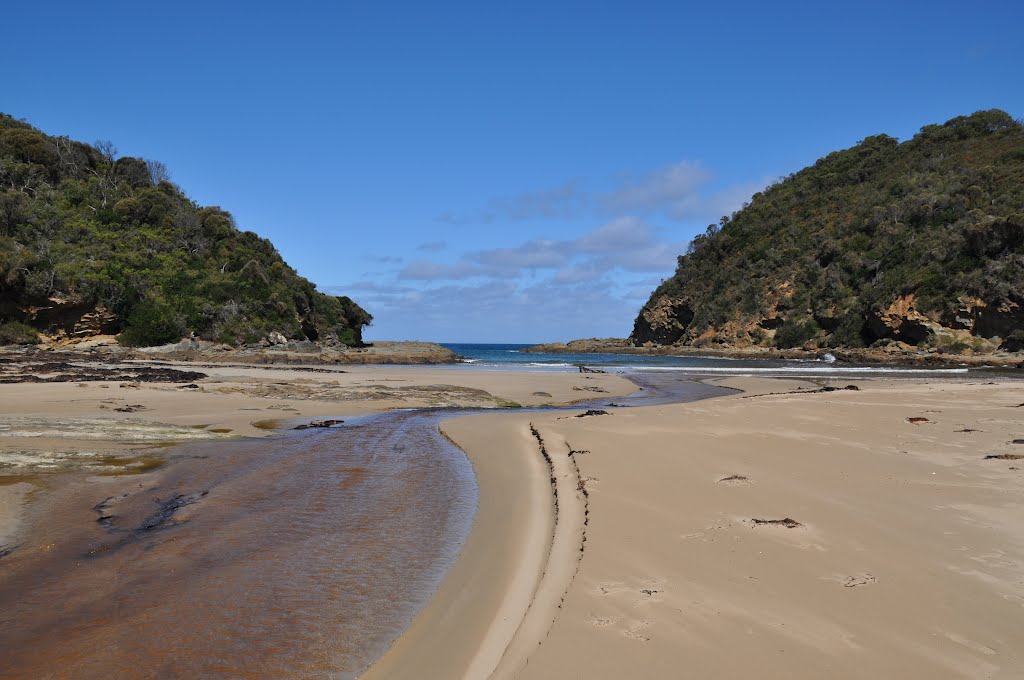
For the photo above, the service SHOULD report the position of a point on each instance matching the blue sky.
(475, 172)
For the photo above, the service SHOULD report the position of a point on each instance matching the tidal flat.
(196, 531)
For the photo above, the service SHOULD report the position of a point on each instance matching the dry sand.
(631, 548)
(123, 427)
(669, 555)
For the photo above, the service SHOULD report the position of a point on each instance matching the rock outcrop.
(61, 319)
(901, 322)
(582, 346)
(303, 352)
(663, 323)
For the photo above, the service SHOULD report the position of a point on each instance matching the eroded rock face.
(1000, 320)
(986, 320)
(68, 319)
(901, 322)
(663, 323)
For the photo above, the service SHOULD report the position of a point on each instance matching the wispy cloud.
(509, 311)
(554, 288)
(559, 202)
(424, 270)
(627, 243)
(681, 191)
(664, 187)
(432, 246)
(537, 254)
(712, 206)
(622, 233)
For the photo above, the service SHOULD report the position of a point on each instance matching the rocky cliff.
(918, 244)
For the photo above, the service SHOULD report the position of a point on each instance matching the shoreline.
(497, 601)
(483, 604)
(893, 355)
(567, 551)
(42, 418)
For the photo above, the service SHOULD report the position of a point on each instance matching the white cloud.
(504, 311)
(579, 273)
(677, 182)
(627, 243)
(659, 257)
(386, 259)
(553, 289)
(530, 255)
(681, 191)
(432, 246)
(557, 203)
(621, 233)
(712, 206)
(423, 270)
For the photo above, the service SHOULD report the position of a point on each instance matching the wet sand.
(299, 556)
(303, 555)
(849, 534)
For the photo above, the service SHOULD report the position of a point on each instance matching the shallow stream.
(301, 555)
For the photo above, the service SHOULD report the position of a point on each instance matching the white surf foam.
(827, 369)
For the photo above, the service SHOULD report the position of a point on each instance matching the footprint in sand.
(645, 592)
(707, 535)
(649, 596)
(610, 588)
(636, 631)
(785, 522)
(602, 622)
(969, 644)
(858, 580)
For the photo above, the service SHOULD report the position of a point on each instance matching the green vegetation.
(939, 217)
(16, 333)
(83, 226)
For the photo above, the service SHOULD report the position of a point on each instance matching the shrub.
(150, 324)
(795, 332)
(17, 333)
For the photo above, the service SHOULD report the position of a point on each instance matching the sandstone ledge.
(289, 353)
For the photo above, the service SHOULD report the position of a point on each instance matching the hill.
(95, 243)
(917, 244)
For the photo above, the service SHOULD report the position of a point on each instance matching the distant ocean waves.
(511, 357)
(802, 370)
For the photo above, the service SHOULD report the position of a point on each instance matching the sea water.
(513, 356)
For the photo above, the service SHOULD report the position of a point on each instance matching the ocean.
(512, 356)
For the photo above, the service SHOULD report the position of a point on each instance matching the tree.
(106, 149)
(13, 211)
(158, 171)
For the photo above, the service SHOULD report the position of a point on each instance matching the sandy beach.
(854, 534)
(780, 531)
